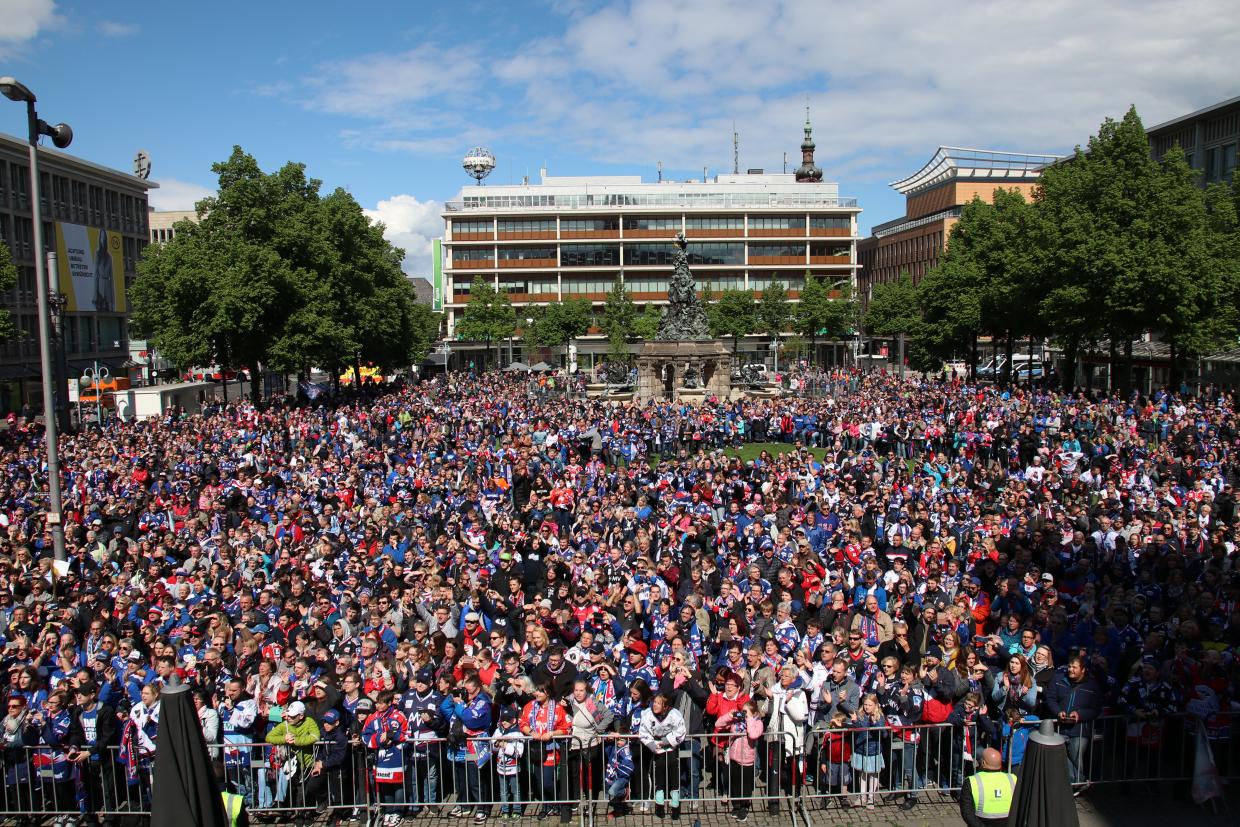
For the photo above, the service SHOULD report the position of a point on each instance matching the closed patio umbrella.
(184, 791)
(1043, 794)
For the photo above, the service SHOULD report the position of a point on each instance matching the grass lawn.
(751, 450)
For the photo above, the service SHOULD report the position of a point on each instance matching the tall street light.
(61, 136)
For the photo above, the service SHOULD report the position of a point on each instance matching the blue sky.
(384, 98)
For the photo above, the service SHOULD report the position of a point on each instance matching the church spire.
(808, 172)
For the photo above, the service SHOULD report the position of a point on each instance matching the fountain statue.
(684, 318)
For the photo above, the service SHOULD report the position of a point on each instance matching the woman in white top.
(662, 730)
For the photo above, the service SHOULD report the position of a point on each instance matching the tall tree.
(774, 309)
(619, 312)
(824, 311)
(8, 280)
(488, 316)
(1124, 241)
(646, 323)
(893, 307)
(560, 323)
(275, 276)
(734, 314)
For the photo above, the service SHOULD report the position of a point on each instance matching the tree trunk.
(1112, 362)
(1176, 375)
(1071, 350)
(973, 359)
(1127, 365)
(224, 385)
(256, 386)
(357, 371)
(1008, 346)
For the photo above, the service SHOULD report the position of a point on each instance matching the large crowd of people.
(459, 586)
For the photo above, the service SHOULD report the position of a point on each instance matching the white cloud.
(643, 81)
(177, 195)
(112, 28)
(381, 85)
(410, 224)
(651, 81)
(24, 20)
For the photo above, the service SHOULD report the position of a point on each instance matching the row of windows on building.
(17, 233)
(1220, 163)
(598, 284)
(86, 333)
(66, 199)
(909, 250)
(701, 253)
(671, 224)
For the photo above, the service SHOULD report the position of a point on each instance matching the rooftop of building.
(755, 189)
(950, 162)
(66, 160)
(1192, 116)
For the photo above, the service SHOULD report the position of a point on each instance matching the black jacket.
(106, 734)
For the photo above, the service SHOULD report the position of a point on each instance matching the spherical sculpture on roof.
(478, 163)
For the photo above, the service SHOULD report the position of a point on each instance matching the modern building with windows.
(571, 237)
(1210, 138)
(934, 197)
(95, 219)
(163, 223)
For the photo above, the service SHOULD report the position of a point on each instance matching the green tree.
(8, 280)
(1127, 247)
(375, 295)
(646, 323)
(774, 309)
(824, 311)
(619, 312)
(734, 314)
(488, 316)
(893, 307)
(559, 324)
(274, 276)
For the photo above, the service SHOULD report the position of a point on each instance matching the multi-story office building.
(934, 197)
(162, 223)
(1210, 139)
(570, 237)
(95, 219)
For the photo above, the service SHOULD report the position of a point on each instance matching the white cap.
(295, 709)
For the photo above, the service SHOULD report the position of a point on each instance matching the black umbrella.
(184, 789)
(1043, 795)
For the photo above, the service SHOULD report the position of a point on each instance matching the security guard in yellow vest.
(987, 796)
(234, 805)
(234, 808)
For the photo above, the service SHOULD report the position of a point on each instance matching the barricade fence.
(550, 777)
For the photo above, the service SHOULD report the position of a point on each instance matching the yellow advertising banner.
(90, 268)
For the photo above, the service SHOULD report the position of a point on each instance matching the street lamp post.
(95, 377)
(61, 136)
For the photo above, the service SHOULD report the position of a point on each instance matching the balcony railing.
(684, 200)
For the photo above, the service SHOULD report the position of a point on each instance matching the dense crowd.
(477, 588)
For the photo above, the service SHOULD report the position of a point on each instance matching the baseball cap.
(331, 716)
(1047, 577)
(295, 709)
(424, 676)
(935, 652)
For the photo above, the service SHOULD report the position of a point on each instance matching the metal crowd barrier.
(570, 780)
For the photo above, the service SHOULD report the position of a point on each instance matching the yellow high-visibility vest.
(232, 806)
(992, 793)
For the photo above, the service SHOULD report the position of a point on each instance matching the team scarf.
(129, 752)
